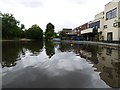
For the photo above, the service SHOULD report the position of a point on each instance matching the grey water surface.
(59, 65)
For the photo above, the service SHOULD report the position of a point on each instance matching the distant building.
(67, 30)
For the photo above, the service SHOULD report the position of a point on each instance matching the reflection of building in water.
(106, 60)
(109, 66)
(89, 52)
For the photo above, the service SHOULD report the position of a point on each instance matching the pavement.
(93, 43)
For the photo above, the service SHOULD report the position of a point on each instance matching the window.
(95, 25)
(109, 36)
(118, 24)
(111, 14)
(114, 13)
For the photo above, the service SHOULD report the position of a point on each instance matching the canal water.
(59, 65)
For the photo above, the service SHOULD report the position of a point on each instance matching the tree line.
(12, 29)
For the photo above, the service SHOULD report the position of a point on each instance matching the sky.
(61, 13)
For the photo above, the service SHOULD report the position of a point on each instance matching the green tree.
(0, 25)
(49, 33)
(22, 26)
(62, 35)
(10, 27)
(35, 32)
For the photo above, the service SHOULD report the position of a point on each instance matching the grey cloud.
(26, 3)
(32, 3)
(78, 1)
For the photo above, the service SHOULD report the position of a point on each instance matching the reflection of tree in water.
(35, 47)
(11, 51)
(49, 47)
(66, 47)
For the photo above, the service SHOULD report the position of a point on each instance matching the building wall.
(84, 26)
(109, 23)
(119, 19)
(67, 30)
(100, 15)
(103, 23)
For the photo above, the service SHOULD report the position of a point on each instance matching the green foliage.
(62, 35)
(35, 32)
(49, 33)
(0, 27)
(50, 28)
(22, 26)
(10, 27)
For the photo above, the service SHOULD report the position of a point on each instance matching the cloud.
(26, 3)
(62, 13)
(32, 3)
(79, 2)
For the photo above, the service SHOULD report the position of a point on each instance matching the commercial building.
(105, 26)
(69, 34)
(111, 30)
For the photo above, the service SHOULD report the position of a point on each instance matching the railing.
(90, 30)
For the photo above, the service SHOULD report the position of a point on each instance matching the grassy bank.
(22, 39)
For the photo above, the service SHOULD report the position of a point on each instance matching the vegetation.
(62, 35)
(11, 29)
(34, 32)
(49, 33)
(0, 27)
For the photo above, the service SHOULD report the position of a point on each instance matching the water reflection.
(49, 48)
(11, 51)
(105, 60)
(74, 61)
(34, 47)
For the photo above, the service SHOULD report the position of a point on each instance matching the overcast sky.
(62, 13)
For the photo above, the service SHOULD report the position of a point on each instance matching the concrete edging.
(93, 43)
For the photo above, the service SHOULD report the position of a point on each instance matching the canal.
(59, 65)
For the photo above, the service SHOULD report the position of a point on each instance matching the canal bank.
(9, 40)
(93, 43)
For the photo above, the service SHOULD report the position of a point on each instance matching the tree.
(10, 27)
(49, 33)
(22, 26)
(35, 32)
(0, 25)
(62, 35)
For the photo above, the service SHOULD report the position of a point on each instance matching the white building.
(105, 26)
(111, 30)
